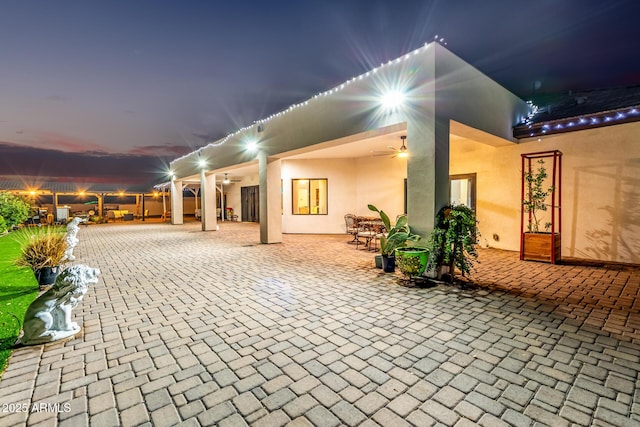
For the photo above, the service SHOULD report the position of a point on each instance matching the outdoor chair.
(380, 230)
(351, 227)
(367, 231)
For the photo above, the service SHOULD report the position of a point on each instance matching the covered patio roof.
(69, 188)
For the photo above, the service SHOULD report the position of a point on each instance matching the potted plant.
(395, 237)
(536, 243)
(43, 250)
(412, 261)
(453, 241)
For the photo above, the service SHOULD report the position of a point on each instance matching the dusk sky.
(114, 90)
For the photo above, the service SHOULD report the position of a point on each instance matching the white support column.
(208, 201)
(176, 203)
(427, 171)
(270, 211)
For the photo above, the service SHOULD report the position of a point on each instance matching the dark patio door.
(250, 203)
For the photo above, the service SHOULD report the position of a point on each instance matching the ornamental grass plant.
(41, 247)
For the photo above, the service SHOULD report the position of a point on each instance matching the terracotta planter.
(537, 247)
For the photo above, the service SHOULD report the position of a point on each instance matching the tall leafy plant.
(454, 239)
(535, 199)
(396, 236)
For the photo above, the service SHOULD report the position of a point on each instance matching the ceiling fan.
(401, 152)
(229, 180)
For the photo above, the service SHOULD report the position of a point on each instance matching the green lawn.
(18, 289)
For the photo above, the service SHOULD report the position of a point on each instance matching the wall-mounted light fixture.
(226, 179)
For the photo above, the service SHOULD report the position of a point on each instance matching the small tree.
(536, 197)
(14, 209)
(453, 241)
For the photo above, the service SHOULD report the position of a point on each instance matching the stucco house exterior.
(303, 169)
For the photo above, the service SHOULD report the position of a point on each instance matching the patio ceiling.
(368, 144)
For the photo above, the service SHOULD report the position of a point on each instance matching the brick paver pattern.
(212, 328)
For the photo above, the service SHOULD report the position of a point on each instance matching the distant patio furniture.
(351, 227)
(166, 216)
(146, 214)
(115, 215)
(367, 229)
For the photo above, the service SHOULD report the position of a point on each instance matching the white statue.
(48, 318)
(71, 239)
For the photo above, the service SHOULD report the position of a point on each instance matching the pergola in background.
(193, 187)
(97, 190)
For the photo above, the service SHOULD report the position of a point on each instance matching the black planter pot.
(388, 263)
(46, 276)
(378, 259)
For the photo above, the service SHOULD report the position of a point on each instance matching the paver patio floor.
(192, 328)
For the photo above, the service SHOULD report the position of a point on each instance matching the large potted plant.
(395, 237)
(537, 240)
(453, 241)
(412, 261)
(43, 250)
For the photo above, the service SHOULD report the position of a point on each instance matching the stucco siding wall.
(352, 185)
(341, 179)
(468, 96)
(233, 192)
(600, 190)
(380, 182)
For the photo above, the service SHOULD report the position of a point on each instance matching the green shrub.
(14, 209)
(453, 241)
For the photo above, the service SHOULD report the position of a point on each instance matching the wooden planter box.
(537, 247)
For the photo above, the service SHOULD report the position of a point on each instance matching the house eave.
(582, 122)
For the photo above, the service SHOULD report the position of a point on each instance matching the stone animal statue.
(71, 239)
(48, 318)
